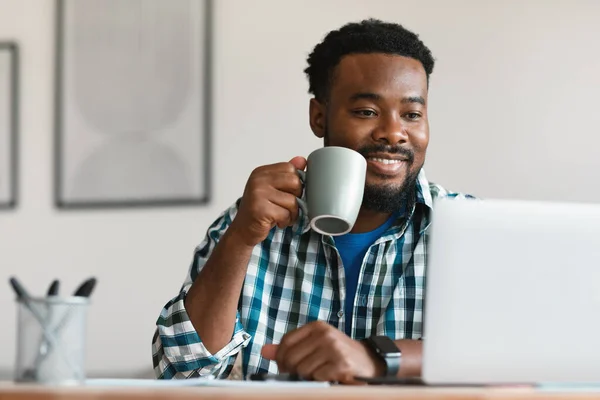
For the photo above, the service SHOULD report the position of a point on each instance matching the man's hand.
(269, 199)
(321, 352)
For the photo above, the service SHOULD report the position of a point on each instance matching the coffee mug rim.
(337, 148)
(315, 219)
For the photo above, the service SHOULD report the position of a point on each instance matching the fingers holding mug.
(288, 212)
(290, 197)
(287, 182)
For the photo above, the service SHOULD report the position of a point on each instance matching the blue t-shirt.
(352, 248)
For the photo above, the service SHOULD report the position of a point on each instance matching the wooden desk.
(19, 392)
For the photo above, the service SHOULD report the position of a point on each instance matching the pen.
(19, 290)
(26, 299)
(53, 289)
(86, 288)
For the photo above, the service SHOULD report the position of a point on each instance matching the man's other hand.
(321, 352)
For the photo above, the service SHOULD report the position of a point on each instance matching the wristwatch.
(386, 350)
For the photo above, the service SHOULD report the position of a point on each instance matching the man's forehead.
(383, 71)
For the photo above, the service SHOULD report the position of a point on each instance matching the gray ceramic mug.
(334, 184)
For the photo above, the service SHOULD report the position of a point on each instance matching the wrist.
(236, 236)
(385, 350)
(379, 367)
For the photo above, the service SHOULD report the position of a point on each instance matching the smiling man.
(264, 287)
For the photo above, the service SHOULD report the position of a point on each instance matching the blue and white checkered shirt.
(296, 276)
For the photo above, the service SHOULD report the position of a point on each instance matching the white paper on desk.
(200, 382)
(569, 387)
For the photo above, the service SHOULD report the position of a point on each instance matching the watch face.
(385, 345)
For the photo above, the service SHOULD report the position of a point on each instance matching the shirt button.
(340, 314)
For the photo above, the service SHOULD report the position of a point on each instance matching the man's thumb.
(299, 162)
(269, 351)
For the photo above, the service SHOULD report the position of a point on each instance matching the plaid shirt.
(296, 276)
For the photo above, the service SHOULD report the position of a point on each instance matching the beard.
(390, 198)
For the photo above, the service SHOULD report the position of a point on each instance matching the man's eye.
(413, 116)
(365, 113)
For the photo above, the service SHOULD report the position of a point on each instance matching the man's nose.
(391, 130)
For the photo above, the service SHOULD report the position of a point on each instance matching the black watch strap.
(386, 350)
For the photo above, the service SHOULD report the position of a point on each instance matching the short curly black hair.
(368, 36)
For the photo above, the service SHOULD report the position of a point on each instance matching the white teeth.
(385, 160)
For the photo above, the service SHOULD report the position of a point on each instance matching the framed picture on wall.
(9, 82)
(133, 103)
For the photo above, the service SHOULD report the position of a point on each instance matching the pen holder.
(51, 339)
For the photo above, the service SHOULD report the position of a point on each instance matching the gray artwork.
(8, 126)
(132, 88)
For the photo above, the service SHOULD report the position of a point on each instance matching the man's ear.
(317, 114)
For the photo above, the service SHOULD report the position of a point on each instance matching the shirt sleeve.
(177, 349)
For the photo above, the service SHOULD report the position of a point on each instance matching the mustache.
(365, 151)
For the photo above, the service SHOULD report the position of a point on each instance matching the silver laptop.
(513, 293)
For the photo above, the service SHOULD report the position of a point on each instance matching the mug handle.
(302, 203)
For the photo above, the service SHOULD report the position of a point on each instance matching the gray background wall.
(513, 108)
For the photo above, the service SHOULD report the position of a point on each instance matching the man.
(264, 285)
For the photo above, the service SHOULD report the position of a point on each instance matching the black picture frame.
(11, 202)
(61, 201)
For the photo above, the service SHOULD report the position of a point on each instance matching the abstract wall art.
(133, 103)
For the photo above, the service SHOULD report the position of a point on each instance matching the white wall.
(513, 114)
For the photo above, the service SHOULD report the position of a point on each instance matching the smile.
(388, 167)
(385, 160)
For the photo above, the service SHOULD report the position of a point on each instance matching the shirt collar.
(423, 195)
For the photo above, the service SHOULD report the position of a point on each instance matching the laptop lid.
(512, 293)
